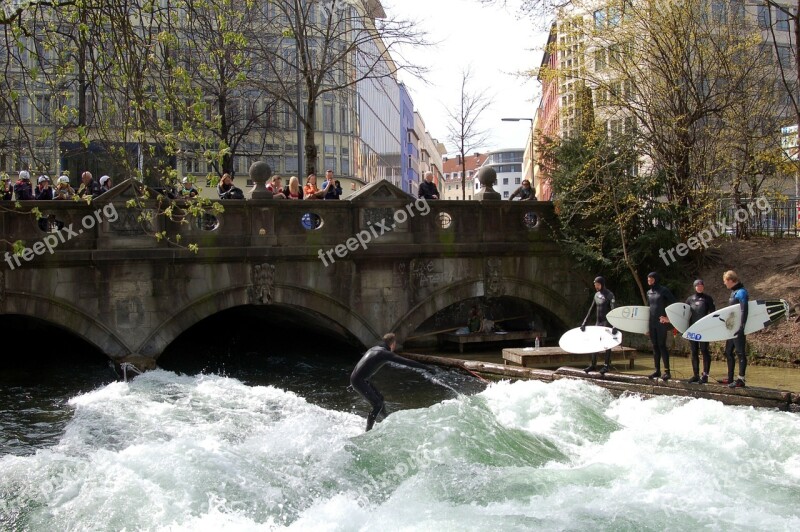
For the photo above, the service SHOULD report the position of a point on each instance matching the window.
(764, 19)
(785, 57)
(781, 20)
(517, 180)
(599, 19)
(505, 180)
(599, 59)
(505, 194)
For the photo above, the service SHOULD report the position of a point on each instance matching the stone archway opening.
(509, 313)
(257, 342)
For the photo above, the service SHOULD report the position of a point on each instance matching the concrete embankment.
(619, 383)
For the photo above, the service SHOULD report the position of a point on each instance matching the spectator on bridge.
(310, 190)
(227, 190)
(22, 188)
(338, 188)
(275, 185)
(63, 189)
(89, 187)
(105, 184)
(6, 190)
(329, 188)
(525, 192)
(293, 190)
(427, 189)
(187, 189)
(44, 191)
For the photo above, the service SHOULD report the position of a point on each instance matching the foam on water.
(168, 452)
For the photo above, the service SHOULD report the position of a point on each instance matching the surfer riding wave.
(373, 360)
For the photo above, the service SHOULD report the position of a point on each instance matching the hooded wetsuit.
(659, 297)
(603, 301)
(701, 305)
(373, 360)
(738, 296)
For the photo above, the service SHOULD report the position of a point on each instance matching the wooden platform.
(485, 338)
(553, 357)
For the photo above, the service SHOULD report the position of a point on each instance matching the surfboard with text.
(593, 340)
(631, 318)
(725, 323)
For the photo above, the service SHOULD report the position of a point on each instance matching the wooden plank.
(555, 356)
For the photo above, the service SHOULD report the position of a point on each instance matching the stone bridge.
(379, 261)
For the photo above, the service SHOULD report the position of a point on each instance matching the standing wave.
(170, 452)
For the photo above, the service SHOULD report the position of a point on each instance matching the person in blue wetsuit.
(370, 363)
(701, 305)
(603, 300)
(659, 298)
(739, 297)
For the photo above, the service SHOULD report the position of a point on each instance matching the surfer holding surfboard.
(701, 304)
(737, 343)
(659, 297)
(604, 301)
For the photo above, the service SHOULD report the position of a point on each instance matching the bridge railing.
(283, 227)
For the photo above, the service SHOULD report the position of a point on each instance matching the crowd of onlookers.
(23, 189)
(330, 189)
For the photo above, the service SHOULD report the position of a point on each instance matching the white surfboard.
(679, 315)
(593, 340)
(633, 318)
(723, 324)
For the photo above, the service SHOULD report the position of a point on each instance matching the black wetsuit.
(738, 296)
(370, 363)
(659, 297)
(701, 305)
(603, 301)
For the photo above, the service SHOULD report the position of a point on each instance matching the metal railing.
(759, 217)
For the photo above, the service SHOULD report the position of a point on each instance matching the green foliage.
(609, 222)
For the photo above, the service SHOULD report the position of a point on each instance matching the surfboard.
(679, 315)
(633, 318)
(593, 340)
(723, 324)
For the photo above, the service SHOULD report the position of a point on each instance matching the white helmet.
(185, 180)
(24, 175)
(63, 179)
(43, 178)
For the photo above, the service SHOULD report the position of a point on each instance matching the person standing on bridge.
(427, 189)
(604, 301)
(373, 360)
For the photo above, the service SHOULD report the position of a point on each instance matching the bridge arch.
(69, 317)
(350, 323)
(537, 293)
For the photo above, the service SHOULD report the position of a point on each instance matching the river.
(283, 447)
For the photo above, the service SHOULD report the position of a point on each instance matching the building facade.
(451, 185)
(507, 164)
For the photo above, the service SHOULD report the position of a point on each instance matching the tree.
(228, 105)
(463, 128)
(608, 220)
(317, 49)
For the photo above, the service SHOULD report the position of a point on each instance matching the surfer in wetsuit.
(701, 304)
(659, 298)
(604, 301)
(738, 296)
(370, 363)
